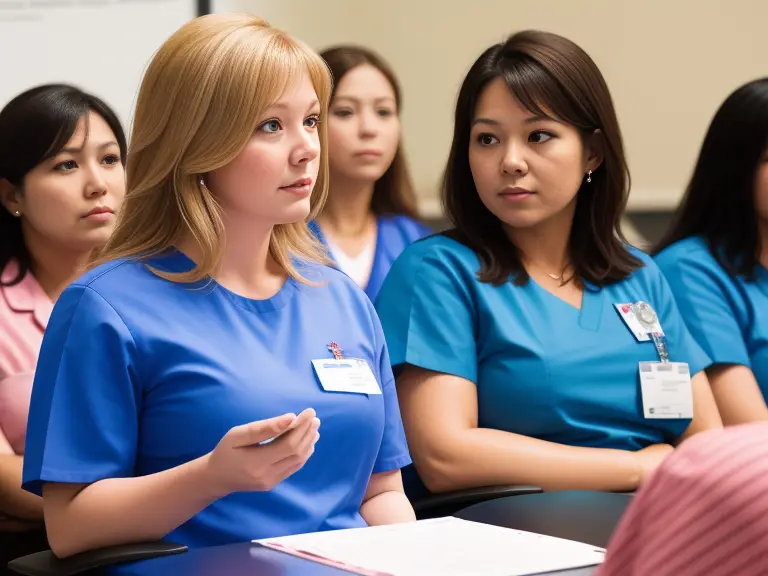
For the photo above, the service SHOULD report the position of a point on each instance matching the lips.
(370, 153)
(298, 184)
(99, 210)
(515, 191)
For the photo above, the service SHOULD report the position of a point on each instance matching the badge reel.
(665, 386)
(650, 323)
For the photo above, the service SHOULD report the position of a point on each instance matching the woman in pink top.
(704, 511)
(62, 179)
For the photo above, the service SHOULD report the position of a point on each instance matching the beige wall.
(669, 64)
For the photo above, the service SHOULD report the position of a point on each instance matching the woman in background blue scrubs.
(210, 320)
(715, 255)
(370, 215)
(515, 335)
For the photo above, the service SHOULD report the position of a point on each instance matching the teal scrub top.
(542, 368)
(727, 316)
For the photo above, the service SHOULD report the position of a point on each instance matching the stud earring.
(589, 176)
(17, 213)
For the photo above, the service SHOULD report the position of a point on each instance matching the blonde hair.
(202, 97)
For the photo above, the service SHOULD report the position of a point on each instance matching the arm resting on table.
(451, 453)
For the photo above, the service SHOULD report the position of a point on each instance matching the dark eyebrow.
(357, 100)
(487, 121)
(78, 150)
(530, 120)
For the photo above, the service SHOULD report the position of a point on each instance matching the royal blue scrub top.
(542, 367)
(393, 235)
(138, 374)
(728, 316)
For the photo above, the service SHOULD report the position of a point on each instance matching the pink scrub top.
(24, 312)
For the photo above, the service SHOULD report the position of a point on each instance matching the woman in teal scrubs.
(517, 337)
(715, 256)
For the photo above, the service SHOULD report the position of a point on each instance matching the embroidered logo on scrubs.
(335, 349)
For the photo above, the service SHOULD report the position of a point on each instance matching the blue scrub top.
(138, 374)
(543, 368)
(727, 316)
(393, 235)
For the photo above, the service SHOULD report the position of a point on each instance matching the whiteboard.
(101, 46)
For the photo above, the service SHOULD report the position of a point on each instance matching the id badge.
(346, 375)
(666, 390)
(632, 322)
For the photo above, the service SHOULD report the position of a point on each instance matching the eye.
(487, 139)
(270, 126)
(540, 136)
(65, 166)
(312, 121)
(111, 159)
(342, 113)
(385, 113)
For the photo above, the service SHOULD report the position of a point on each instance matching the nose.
(368, 124)
(307, 147)
(514, 162)
(96, 184)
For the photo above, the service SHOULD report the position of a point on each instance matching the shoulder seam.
(108, 303)
(102, 273)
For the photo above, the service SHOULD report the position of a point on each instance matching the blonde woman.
(171, 375)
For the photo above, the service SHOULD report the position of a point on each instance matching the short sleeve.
(705, 296)
(681, 346)
(393, 452)
(427, 312)
(83, 420)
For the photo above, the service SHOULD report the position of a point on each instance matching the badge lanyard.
(650, 322)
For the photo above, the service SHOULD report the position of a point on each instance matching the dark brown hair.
(719, 204)
(551, 77)
(392, 193)
(34, 127)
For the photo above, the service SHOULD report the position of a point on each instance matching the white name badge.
(666, 389)
(346, 375)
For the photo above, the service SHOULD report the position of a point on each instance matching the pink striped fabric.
(704, 512)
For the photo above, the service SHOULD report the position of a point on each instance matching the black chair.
(47, 564)
(446, 504)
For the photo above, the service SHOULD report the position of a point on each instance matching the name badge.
(666, 390)
(633, 322)
(346, 375)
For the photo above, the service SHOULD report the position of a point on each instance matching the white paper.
(446, 547)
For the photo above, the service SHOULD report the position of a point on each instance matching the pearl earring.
(17, 213)
(589, 176)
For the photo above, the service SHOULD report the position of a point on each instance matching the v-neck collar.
(591, 312)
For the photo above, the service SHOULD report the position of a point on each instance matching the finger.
(300, 437)
(301, 422)
(295, 462)
(255, 432)
(291, 442)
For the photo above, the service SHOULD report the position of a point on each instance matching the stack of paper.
(445, 546)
